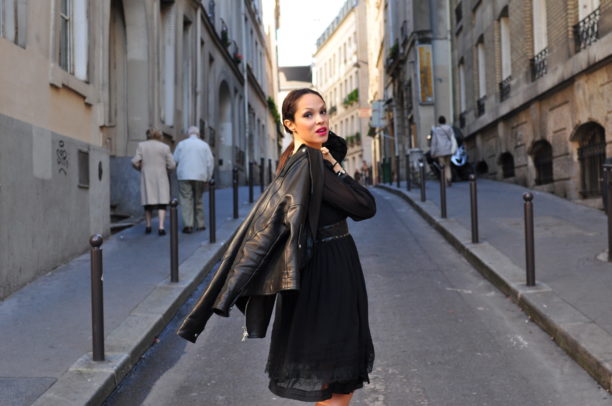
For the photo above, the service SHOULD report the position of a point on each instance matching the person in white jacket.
(195, 165)
(443, 145)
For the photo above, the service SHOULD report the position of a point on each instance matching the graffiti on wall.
(63, 161)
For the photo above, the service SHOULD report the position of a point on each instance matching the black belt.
(333, 231)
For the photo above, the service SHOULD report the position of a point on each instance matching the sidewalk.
(573, 294)
(45, 328)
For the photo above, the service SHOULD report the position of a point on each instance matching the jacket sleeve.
(137, 160)
(170, 163)
(347, 195)
(177, 153)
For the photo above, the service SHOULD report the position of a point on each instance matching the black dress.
(321, 342)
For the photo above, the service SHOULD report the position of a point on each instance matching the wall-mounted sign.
(425, 74)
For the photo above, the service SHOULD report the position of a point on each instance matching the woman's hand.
(327, 155)
(336, 167)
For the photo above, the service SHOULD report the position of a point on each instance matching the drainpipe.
(246, 88)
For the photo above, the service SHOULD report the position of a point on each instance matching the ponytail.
(284, 158)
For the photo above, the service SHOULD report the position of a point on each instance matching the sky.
(301, 23)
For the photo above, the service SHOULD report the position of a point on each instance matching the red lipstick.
(322, 131)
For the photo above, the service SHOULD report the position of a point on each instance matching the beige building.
(533, 90)
(82, 81)
(340, 71)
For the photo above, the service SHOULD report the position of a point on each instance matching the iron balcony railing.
(587, 30)
(539, 64)
(504, 88)
(480, 106)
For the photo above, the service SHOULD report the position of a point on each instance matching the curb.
(88, 382)
(580, 337)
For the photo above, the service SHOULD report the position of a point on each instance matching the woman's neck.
(298, 144)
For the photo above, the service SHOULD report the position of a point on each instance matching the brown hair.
(154, 134)
(288, 113)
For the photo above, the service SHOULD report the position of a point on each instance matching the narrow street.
(443, 336)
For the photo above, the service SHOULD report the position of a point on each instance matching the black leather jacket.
(268, 250)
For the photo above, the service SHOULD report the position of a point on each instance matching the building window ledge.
(60, 78)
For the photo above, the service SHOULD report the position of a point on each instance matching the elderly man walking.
(195, 165)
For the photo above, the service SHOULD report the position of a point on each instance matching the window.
(540, 40)
(539, 62)
(482, 83)
(506, 62)
(586, 7)
(168, 49)
(83, 169)
(188, 70)
(586, 31)
(504, 30)
(462, 102)
(73, 37)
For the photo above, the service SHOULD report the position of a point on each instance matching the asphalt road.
(443, 336)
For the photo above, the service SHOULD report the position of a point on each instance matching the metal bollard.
(235, 187)
(269, 171)
(474, 208)
(97, 297)
(529, 241)
(408, 181)
(608, 193)
(442, 193)
(251, 181)
(212, 215)
(174, 273)
(422, 169)
(261, 174)
(397, 170)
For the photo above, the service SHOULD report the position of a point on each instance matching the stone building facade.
(341, 75)
(533, 90)
(411, 78)
(82, 81)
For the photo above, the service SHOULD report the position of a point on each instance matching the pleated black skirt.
(321, 342)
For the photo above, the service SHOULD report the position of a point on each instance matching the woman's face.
(311, 123)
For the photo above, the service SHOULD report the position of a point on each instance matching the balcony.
(587, 31)
(480, 106)
(539, 64)
(504, 88)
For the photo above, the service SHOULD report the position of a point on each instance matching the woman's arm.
(344, 193)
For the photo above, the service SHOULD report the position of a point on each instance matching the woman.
(297, 244)
(153, 159)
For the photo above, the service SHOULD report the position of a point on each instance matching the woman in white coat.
(153, 159)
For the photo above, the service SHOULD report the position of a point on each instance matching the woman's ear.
(290, 125)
